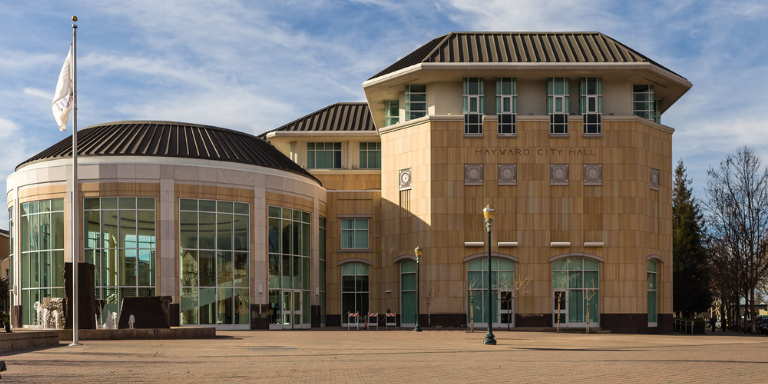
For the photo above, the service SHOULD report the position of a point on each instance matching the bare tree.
(430, 290)
(472, 291)
(509, 290)
(559, 298)
(589, 293)
(737, 214)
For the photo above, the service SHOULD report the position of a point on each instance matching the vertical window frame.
(370, 151)
(506, 120)
(354, 230)
(473, 105)
(334, 148)
(591, 117)
(643, 103)
(391, 112)
(415, 91)
(558, 119)
(652, 290)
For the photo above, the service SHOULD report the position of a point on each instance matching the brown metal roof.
(350, 117)
(171, 139)
(521, 47)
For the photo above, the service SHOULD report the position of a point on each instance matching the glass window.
(214, 262)
(502, 280)
(506, 104)
(289, 264)
(354, 290)
(643, 104)
(579, 281)
(652, 292)
(120, 242)
(42, 256)
(391, 112)
(322, 271)
(324, 155)
(591, 104)
(354, 234)
(473, 105)
(408, 292)
(370, 155)
(11, 266)
(415, 101)
(557, 105)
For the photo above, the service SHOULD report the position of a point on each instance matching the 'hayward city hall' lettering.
(537, 151)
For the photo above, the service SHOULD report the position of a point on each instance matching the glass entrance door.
(560, 307)
(291, 304)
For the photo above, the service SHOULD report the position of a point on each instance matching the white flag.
(62, 99)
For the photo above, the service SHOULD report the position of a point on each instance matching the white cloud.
(7, 128)
(38, 93)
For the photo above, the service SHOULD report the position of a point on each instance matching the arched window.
(502, 279)
(408, 292)
(576, 285)
(354, 290)
(652, 293)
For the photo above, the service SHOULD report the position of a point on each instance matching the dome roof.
(171, 139)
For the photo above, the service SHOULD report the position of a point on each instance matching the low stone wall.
(140, 334)
(28, 339)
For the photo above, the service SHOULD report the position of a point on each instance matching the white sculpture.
(131, 320)
(38, 308)
(114, 320)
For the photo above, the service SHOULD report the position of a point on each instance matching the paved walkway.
(334, 355)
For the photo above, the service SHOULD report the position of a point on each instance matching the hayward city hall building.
(297, 228)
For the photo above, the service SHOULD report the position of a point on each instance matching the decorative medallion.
(655, 179)
(507, 174)
(558, 174)
(473, 174)
(593, 174)
(405, 179)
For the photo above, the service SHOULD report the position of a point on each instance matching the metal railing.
(683, 325)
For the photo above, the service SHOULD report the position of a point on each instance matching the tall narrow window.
(324, 155)
(415, 101)
(591, 104)
(391, 112)
(473, 105)
(322, 271)
(354, 290)
(354, 234)
(642, 101)
(652, 293)
(557, 105)
(408, 292)
(120, 243)
(370, 155)
(213, 260)
(11, 267)
(506, 104)
(42, 255)
(290, 240)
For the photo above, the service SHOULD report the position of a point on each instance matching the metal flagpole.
(75, 258)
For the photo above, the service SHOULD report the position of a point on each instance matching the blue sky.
(254, 66)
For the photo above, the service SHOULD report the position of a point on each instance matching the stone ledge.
(141, 334)
(28, 339)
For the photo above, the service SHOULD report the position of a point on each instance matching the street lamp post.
(417, 328)
(488, 213)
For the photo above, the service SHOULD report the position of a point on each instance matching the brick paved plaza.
(334, 355)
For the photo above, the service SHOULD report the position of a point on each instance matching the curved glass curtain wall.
(322, 271)
(477, 287)
(214, 242)
(578, 277)
(354, 290)
(289, 239)
(42, 254)
(408, 292)
(120, 242)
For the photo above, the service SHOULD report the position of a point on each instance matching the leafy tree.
(691, 283)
